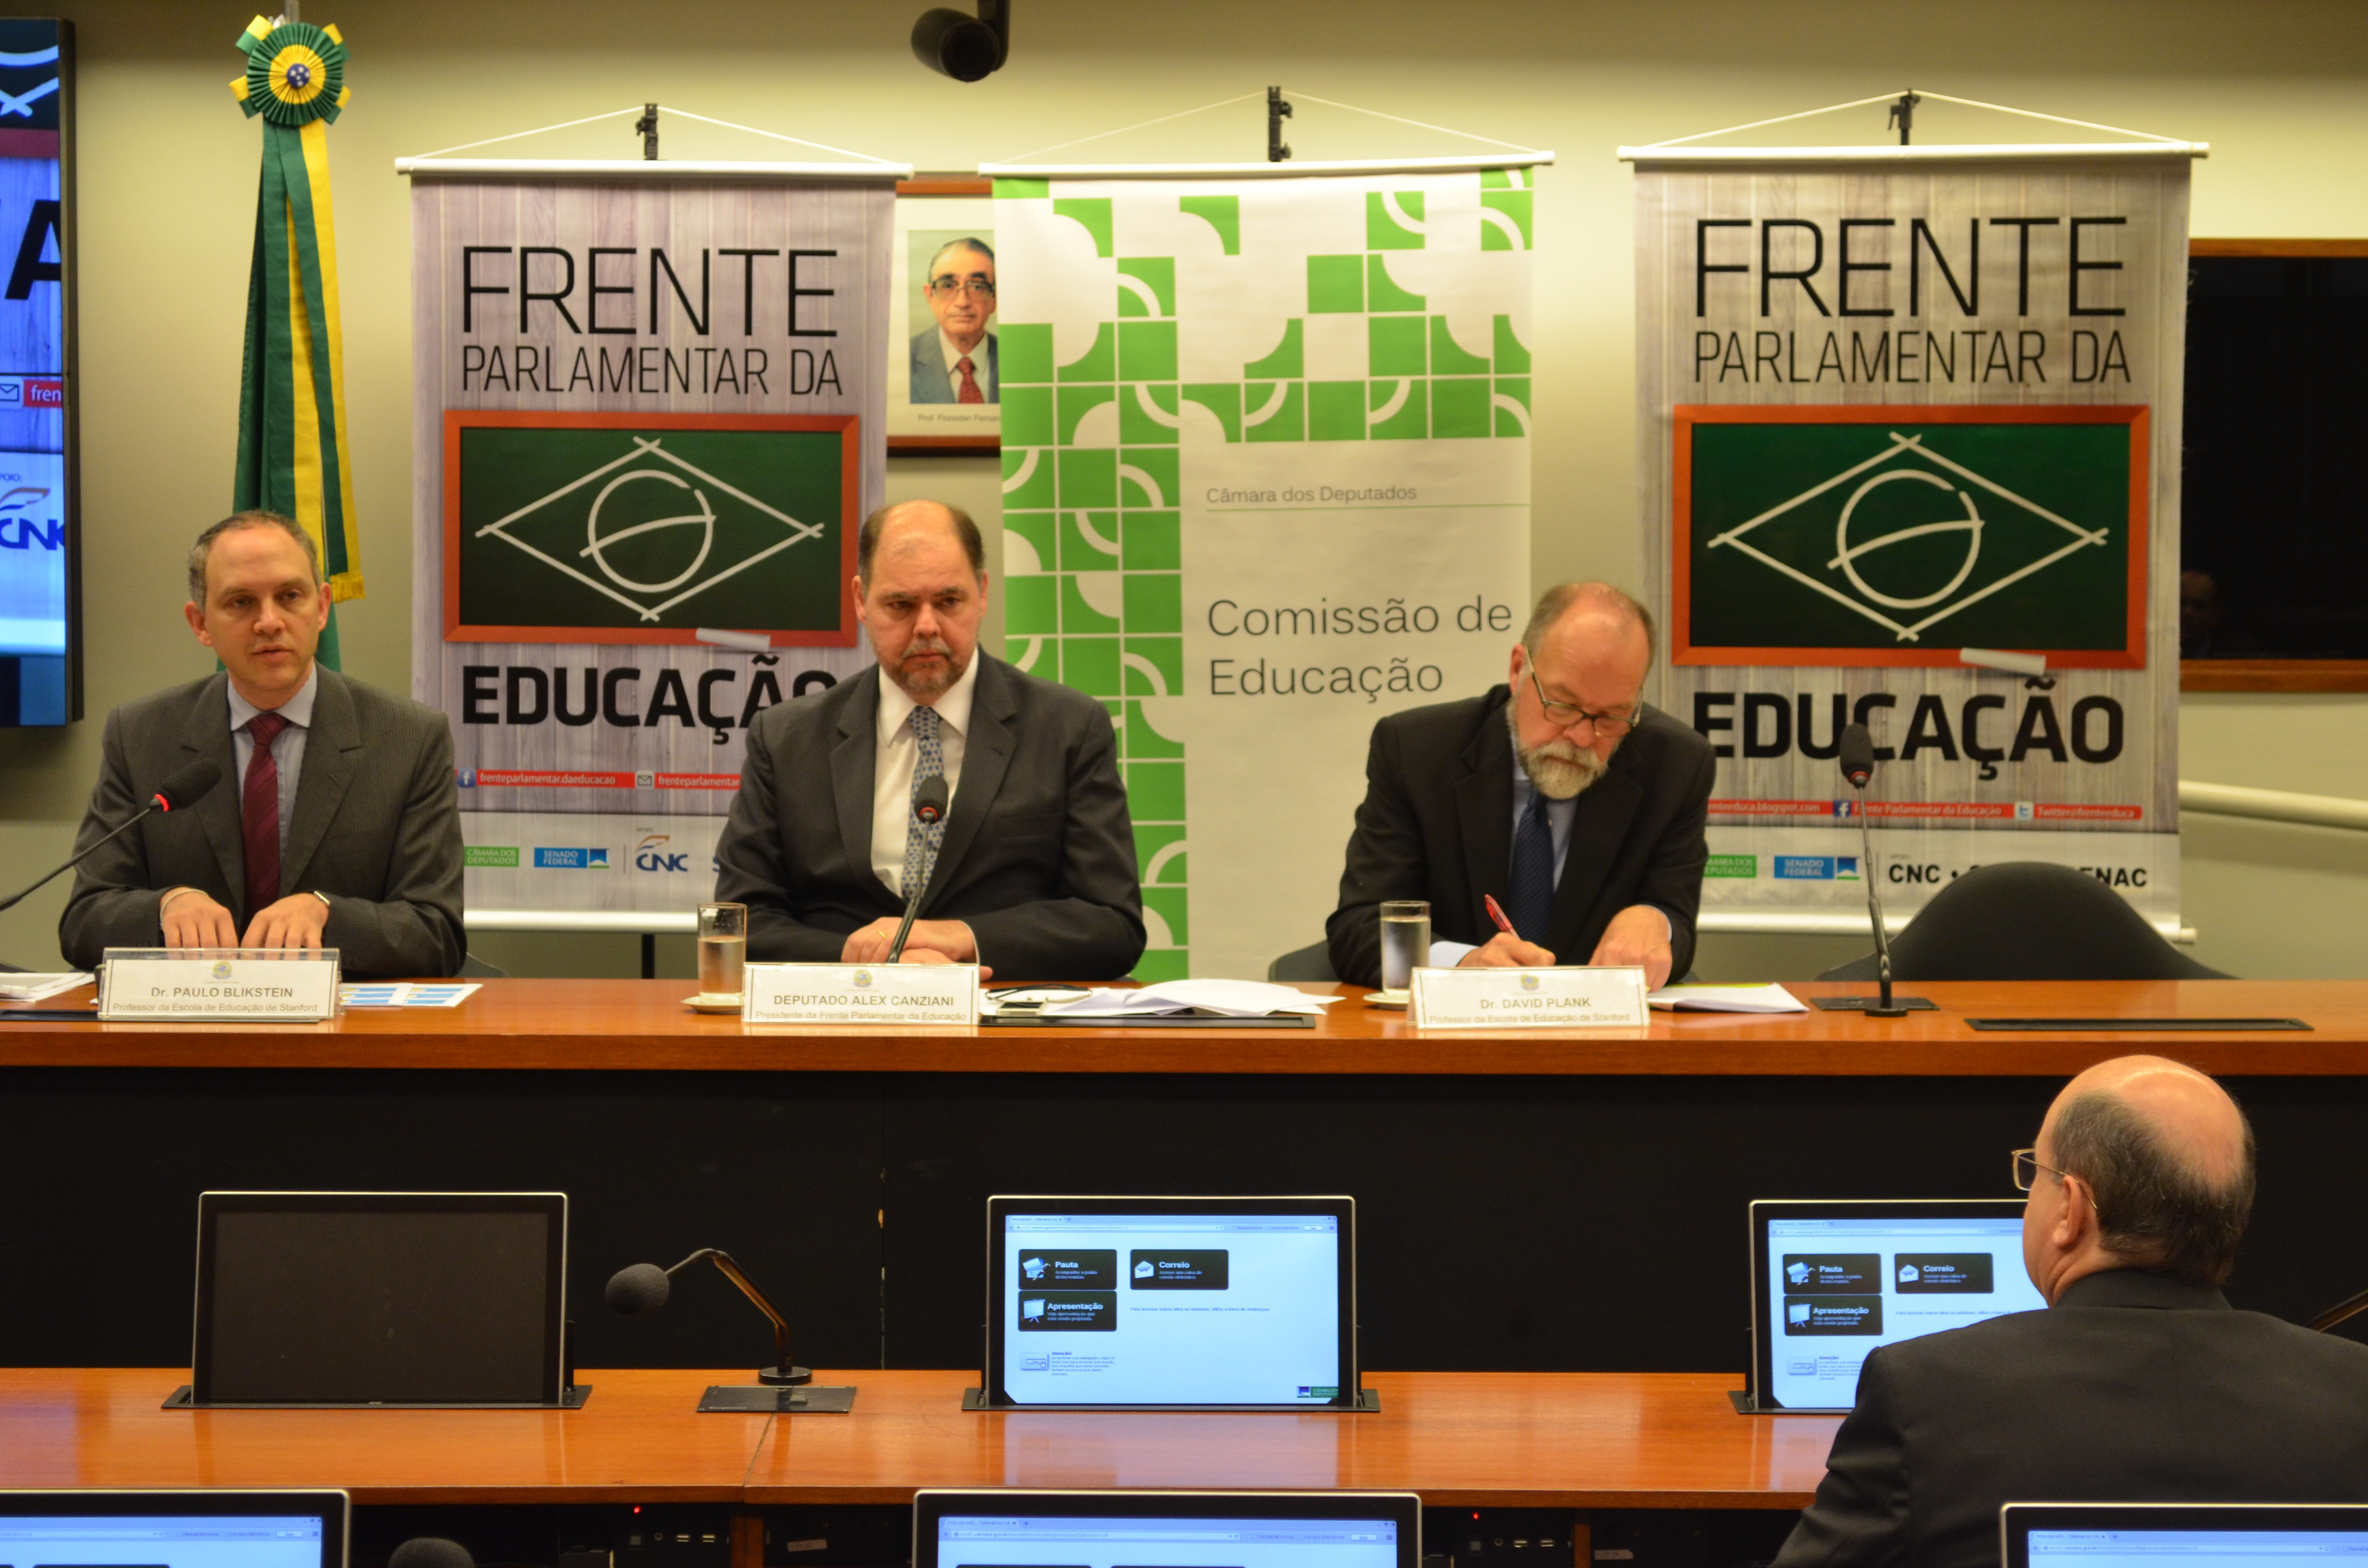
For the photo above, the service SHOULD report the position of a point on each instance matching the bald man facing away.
(1563, 795)
(2138, 1384)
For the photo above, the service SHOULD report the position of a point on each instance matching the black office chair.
(1311, 962)
(2025, 920)
(475, 968)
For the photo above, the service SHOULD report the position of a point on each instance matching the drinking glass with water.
(722, 947)
(1405, 942)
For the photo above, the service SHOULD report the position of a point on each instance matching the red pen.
(1497, 913)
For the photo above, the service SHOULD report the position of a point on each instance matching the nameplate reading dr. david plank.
(1528, 998)
(861, 994)
(163, 986)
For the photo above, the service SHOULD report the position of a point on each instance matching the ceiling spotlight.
(967, 47)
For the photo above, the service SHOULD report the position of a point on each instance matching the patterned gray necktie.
(921, 842)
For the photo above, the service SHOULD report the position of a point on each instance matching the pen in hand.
(1497, 913)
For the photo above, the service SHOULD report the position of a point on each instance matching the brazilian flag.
(292, 414)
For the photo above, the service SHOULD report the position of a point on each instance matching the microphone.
(929, 809)
(642, 1288)
(182, 788)
(1856, 752)
(431, 1552)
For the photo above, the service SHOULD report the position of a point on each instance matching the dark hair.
(1556, 602)
(2154, 1210)
(868, 541)
(251, 519)
(981, 246)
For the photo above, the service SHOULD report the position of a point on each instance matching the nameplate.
(1528, 998)
(298, 986)
(861, 994)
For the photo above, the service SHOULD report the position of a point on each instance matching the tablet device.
(175, 1530)
(1171, 1302)
(1831, 1281)
(380, 1299)
(1009, 1529)
(2178, 1535)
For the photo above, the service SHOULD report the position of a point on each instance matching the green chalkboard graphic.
(613, 532)
(1890, 541)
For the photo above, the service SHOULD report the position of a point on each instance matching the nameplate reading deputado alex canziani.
(1609, 998)
(298, 986)
(861, 994)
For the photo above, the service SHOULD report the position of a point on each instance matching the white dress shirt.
(896, 750)
(286, 752)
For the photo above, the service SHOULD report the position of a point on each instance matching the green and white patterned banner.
(1265, 461)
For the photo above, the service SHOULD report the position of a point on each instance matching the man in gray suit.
(1032, 871)
(954, 359)
(336, 823)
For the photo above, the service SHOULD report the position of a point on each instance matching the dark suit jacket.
(1038, 857)
(2134, 1388)
(1437, 824)
(928, 371)
(376, 827)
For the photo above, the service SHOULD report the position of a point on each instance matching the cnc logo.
(1901, 536)
(23, 523)
(652, 854)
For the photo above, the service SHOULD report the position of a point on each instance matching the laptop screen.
(174, 1530)
(1832, 1281)
(1173, 1529)
(2076, 1535)
(1132, 1301)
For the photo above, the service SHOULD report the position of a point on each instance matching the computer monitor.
(175, 1530)
(1831, 1281)
(2180, 1535)
(1009, 1529)
(1194, 1303)
(381, 1297)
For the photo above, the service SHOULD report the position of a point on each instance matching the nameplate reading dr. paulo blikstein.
(251, 986)
(1572, 998)
(861, 994)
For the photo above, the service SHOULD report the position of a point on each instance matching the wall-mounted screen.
(41, 641)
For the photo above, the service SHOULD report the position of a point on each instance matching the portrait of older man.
(953, 358)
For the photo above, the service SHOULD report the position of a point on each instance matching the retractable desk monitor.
(1171, 1304)
(2180, 1535)
(367, 1299)
(1832, 1280)
(1012, 1529)
(175, 1530)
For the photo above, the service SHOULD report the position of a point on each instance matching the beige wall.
(168, 170)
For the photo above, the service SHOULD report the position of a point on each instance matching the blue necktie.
(1529, 895)
(921, 842)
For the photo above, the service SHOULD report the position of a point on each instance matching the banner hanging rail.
(1267, 171)
(1958, 153)
(638, 168)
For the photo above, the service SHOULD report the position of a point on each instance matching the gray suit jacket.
(376, 828)
(1039, 852)
(930, 370)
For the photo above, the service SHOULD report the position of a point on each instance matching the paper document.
(1224, 999)
(33, 987)
(405, 993)
(1726, 999)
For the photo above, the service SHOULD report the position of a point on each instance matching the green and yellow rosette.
(292, 425)
(295, 72)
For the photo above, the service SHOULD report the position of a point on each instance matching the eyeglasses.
(946, 288)
(1569, 716)
(2027, 1168)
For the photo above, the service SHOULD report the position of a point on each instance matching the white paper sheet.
(33, 987)
(1227, 998)
(1726, 999)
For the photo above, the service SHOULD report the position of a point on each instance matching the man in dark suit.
(1584, 822)
(2138, 1384)
(955, 359)
(1032, 871)
(337, 822)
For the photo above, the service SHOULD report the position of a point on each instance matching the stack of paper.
(1726, 999)
(33, 987)
(1222, 998)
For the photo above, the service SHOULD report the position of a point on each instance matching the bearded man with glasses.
(1562, 795)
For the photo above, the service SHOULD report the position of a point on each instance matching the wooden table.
(1494, 1174)
(1574, 1440)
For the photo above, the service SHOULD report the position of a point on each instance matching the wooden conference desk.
(1528, 1201)
(1571, 1440)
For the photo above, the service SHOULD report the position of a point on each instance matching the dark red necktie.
(259, 815)
(970, 393)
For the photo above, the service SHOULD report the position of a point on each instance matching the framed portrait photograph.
(944, 380)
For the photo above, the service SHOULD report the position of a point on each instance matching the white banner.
(648, 420)
(1265, 466)
(1896, 422)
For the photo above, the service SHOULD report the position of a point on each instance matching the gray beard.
(1561, 771)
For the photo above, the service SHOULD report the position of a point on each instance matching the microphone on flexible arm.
(782, 1388)
(1856, 751)
(929, 801)
(182, 788)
